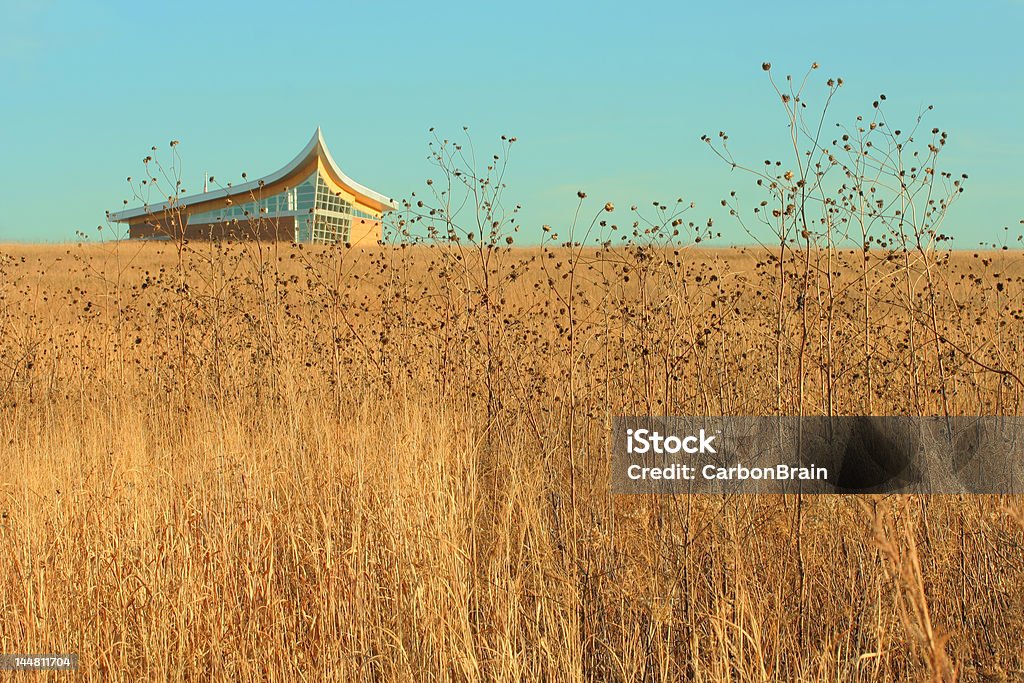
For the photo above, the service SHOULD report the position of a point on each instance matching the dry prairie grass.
(264, 462)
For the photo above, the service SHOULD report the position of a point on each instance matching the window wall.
(321, 215)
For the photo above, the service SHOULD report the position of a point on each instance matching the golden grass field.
(261, 462)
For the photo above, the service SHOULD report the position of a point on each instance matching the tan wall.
(368, 209)
(365, 232)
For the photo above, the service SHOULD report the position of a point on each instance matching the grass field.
(261, 462)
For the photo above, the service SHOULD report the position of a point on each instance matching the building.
(309, 200)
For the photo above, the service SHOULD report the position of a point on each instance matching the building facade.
(310, 200)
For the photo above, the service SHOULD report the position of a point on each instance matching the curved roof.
(315, 148)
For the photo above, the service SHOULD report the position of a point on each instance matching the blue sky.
(610, 98)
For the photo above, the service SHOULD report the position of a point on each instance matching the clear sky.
(610, 98)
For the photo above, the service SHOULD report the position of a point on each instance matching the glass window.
(321, 215)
